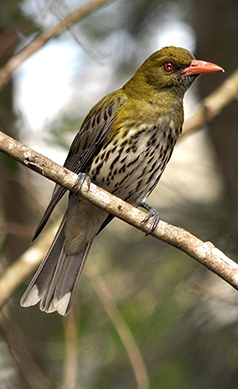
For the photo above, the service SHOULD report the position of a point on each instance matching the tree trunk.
(216, 26)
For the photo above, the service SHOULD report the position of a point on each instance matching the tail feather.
(42, 278)
(71, 272)
(61, 292)
(57, 194)
(55, 282)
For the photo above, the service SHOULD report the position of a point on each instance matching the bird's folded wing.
(92, 136)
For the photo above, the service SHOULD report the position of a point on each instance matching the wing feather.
(93, 134)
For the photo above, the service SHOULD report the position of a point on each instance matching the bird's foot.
(82, 177)
(152, 213)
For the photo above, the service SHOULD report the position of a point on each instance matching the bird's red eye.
(168, 66)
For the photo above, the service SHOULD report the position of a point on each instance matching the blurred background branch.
(41, 40)
(212, 105)
(205, 253)
(182, 317)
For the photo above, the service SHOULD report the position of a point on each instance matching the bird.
(123, 146)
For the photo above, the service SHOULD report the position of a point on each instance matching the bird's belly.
(131, 168)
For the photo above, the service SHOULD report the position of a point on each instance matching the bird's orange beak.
(197, 67)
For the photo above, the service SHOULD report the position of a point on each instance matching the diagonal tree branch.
(203, 252)
(121, 327)
(41, 40)
(212, 105)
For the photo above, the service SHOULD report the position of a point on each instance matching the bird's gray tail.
(55, 282)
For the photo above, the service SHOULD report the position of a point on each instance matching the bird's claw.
(82, 177)
(154, 214)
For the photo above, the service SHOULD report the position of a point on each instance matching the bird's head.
(172, 67)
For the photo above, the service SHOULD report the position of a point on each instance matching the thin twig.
(14, 62)
(21, 354)
(71, 352)
(121, 327)
(212, 105)
(20, 270)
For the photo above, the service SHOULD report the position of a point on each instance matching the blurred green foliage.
(182, 317)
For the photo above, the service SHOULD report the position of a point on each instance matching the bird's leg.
(152, 213)
(82, 177)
